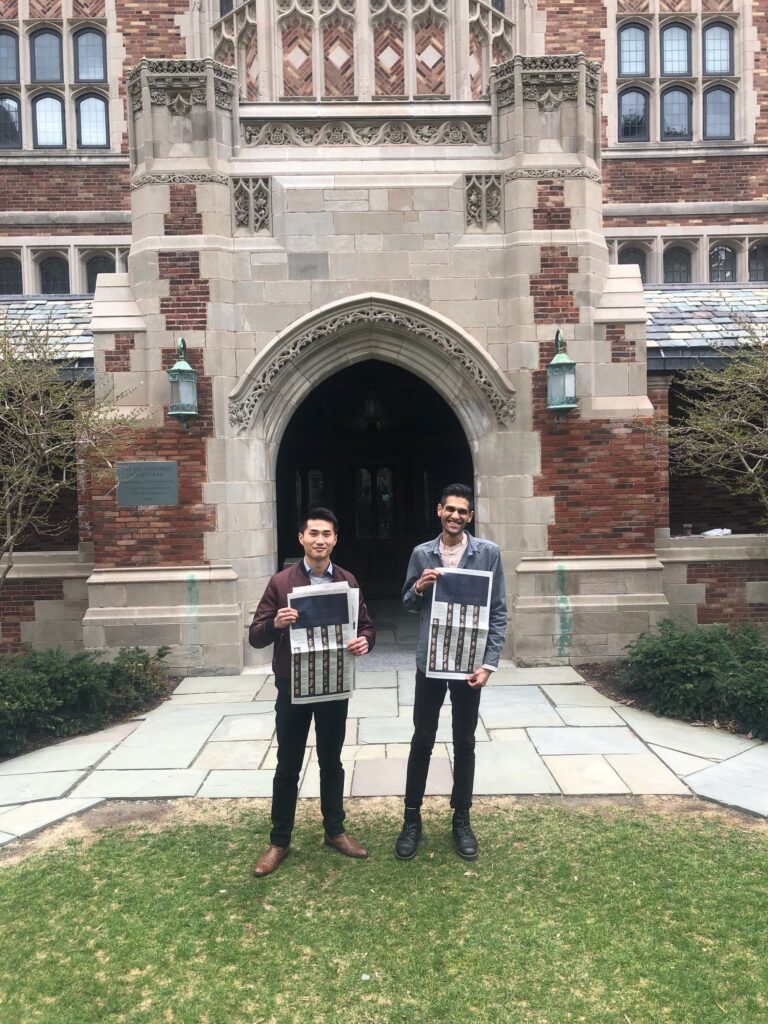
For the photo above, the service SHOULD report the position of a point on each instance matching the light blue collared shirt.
(316, 581)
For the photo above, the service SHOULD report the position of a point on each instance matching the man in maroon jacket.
(271, 625)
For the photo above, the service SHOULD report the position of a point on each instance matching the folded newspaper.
(321, 666)
(461, 607)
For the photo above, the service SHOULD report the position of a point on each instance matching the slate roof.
(66, 317)
(687, 322)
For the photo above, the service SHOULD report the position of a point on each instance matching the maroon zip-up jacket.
(263, 633)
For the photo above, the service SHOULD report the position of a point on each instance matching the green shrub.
(703, 672)
(52, 693)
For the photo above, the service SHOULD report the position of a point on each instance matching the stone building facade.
(368, 218)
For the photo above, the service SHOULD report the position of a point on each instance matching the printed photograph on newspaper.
(321, 666)
(461, 605)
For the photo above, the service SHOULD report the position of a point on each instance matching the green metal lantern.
(561, 378)
(183, 379)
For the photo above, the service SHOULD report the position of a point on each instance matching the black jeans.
(465, 703)
(292, 723)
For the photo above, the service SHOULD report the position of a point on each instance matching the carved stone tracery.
(501, 399)
(449, 132)
(547, 81)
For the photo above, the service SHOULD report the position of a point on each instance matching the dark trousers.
(465, 703)
(292, 723)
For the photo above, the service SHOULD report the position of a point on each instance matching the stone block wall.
(43, 601)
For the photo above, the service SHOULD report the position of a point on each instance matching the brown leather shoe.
(270, 860)
(347, 845)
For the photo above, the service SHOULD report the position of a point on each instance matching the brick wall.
(17, 605)
(622, 349)
(183, 218)
(48, 230)
(710, 179)
(551, 212)
(151, 31)
(161, 535)
(573, 26)
(119, 359)
(186, 308)
(726, 593)
(552, 298)
(607, 478)
(65, 188)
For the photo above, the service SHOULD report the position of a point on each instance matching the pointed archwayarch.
(371, 326)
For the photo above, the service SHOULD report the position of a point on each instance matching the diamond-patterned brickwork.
(297, 60)
(88, 8)
(252, 67)
(9, 9)
(388, 51)
(717, 6)
(339, 59)
(430, 59)
(475, 65)
(45, 8)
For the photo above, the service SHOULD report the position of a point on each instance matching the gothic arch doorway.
(376, 444)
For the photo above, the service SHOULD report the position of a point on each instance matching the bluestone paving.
(681, 764)
(646, 774)
(244, 727)
(232, 754)
(581, 716)
(141, 784)
(575, 696)
(541, 730)
(702, 741)
(509, 707)
(61, 757)
(585, 774)
(741, 781)
(586, 741)
(245, 783)
(220, 685)
(511, 768)
(16, 789)
(21, 821)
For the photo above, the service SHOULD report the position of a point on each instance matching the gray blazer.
(480, 554)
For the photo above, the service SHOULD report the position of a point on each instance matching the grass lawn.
(586, 913)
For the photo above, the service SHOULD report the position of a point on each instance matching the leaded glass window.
(676, 50)
(676, 114)
(631, 254)
(46, 56)
(90, 56)
(48, 122)
(718, 113)
(722, 264)
(677, 266)
(54, 276)
(633, 116)
(10, 123)
(92, 131)
(718, 50)
(633, 50)
(95, 266)
(10, 276)
(758, 262)
(9, 57)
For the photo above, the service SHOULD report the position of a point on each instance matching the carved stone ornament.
(482, 200)
(501, 400)
(181, 84)
(543, 75)
(451, 132)
(552, 172)
(252, 204)
(179, 178)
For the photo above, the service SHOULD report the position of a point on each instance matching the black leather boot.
(408, 841)
(463, 836)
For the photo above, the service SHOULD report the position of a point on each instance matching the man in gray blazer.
(453, 549)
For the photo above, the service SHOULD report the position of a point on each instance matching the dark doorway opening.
(377, 445)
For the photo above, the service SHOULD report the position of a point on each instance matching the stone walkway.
(542, 730)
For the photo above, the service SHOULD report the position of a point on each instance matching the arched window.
(676, 114)
(633, 116)
(10, 123)
(92, 127)
(631, 254)
(676, 50)
(48, 122)
(95, 266)
(758, 262)
(9, 57)
(677, 266)
(90, 56)
(10, 276)
(718, 50)
(718, 113)
(722, 264)
(54, 276)
(633, 50)
(46, 56)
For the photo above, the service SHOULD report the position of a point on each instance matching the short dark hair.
(458, 491)
(319, 513)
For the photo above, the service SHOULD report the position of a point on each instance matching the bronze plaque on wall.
(147, 483)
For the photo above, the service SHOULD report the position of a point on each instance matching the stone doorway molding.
(371, 326)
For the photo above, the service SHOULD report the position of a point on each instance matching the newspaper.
(321, 666)
(461, 605)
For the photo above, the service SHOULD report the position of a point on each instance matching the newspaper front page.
(321, 666)
(461, 606)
